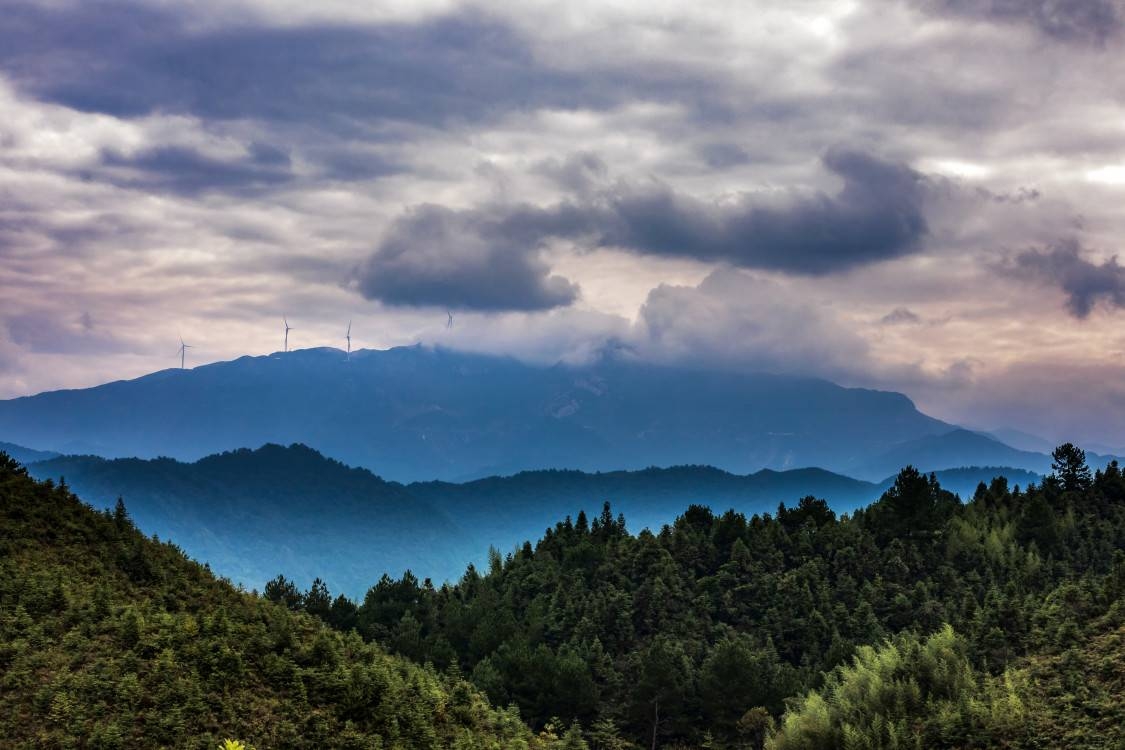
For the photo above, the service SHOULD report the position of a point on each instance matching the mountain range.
(415, 413)
(437, 455)
(252, 514)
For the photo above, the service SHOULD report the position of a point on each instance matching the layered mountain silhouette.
(416, 413)
(954, 448)
(26, 455)
(252, 514)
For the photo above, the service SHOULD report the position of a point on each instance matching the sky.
(914, 195)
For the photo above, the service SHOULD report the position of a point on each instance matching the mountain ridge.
(254, 513)
(416, 413)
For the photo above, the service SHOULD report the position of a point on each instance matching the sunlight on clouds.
(957, 168)
(1108, 175)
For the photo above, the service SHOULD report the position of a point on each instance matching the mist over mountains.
(420, 414)
(252, 514)
(438, 455)
(415, 413)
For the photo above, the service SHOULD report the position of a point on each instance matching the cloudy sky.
(918, 195)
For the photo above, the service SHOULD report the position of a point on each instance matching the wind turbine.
(348, 336)
(449, 323)
(287, 330)
(183, 350)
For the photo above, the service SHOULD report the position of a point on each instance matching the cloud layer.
(490, 258)
(872, 192)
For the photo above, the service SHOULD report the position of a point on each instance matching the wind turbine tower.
(287, 330)
(183, 350)
(449, 323)
(348, 336)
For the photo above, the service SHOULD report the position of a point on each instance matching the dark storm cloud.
(462, 260)
(1085, 283)
(489, 258)
(127, 60)
(187, 171)
(876, 215)
(1068, 20)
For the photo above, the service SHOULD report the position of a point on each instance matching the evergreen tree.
(1069, 465)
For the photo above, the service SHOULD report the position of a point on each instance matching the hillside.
(254, 514)
(420, 414)
(1083, 671)
(918, 620)
(702, 634)
(111, 640)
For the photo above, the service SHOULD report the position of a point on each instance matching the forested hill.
(111, 640)
(252, 514)
(970, 625)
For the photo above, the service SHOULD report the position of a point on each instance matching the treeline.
(910, 621)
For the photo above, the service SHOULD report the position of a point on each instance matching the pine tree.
(1069, 465)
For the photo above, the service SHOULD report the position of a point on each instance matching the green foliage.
(112, 640)
(698, 633)
(917, 622)
(909, 692)
(1069, 464)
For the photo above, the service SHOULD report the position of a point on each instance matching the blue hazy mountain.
(1026, 441)
(958, 448)
(26, 455)
(416, 413)
(950, 449)
(254, 514)
(655, 496)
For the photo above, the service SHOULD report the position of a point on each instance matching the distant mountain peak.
(424, 412)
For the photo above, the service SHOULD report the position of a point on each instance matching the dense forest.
(110, 639)
(918, 621)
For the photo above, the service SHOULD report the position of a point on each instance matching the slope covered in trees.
(254, 513)
(109, 639)
(698, 634)
(918, 621)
